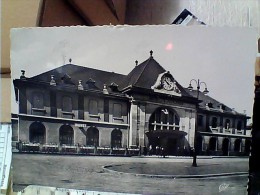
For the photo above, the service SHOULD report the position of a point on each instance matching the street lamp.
(198, 83)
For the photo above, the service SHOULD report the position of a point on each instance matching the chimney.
(52, 82)
(80, 86)
(105, 91)
(23, 74)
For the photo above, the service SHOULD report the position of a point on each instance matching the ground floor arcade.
(223, 145)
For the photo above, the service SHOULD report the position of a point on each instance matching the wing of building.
(85, 107)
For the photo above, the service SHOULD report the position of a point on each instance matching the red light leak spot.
(169, 47)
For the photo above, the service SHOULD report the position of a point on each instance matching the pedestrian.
(144, 151)
(150, 150)
(157, 150)
(163, 152)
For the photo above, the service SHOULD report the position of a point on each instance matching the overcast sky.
(223, 57)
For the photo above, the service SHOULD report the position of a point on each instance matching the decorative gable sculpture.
(165, 83)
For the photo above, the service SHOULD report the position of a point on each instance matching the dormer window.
(90, 84)
(66, 79)
(210, 105)
(113, 86)
(222, 107)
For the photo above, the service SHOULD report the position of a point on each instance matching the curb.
(106, 168)
(173, 157)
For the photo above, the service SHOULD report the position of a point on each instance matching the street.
(87, 172)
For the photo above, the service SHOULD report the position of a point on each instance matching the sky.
(222, 57)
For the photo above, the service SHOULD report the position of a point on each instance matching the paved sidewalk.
(170, 168)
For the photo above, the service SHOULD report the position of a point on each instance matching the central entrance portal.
(164, 132)
(172, 142)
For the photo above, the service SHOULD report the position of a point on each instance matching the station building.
(76, 105)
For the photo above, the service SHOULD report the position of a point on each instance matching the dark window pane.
(116, 138)
(92, 137)
(38, 100)
(93, 107)
(200, 120)
(67, 104)
(214, 122)
(117, 110)
(37, 133)
(66, 135)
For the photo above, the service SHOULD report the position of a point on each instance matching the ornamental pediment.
(166, 84)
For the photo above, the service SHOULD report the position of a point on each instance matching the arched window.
(237, 145)
(239, 125)
(164, 119)
(67, 104)
(37, 133)
(38, 100)
(66, 135)
(116, 138)
(227, 124)
(213, 143)
(214, 122)
(92, 136)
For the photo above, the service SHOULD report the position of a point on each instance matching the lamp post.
(198, 83)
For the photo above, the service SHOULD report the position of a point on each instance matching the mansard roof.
(211, 104)
(143, 76)
(74, 73)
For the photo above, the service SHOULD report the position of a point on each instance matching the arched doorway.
(225, 146)
(92, 138)
(37, 133)
(116, 138)
(237, 145)
(213, 144)
(164, 131)
(247, 146)
(199, 144)
(66, 135)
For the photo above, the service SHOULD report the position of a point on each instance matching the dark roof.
(71, 74)
(145, 75)
(214, 104)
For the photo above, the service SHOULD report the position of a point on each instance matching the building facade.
(75, 105)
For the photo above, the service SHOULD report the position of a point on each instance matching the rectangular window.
(38, 104)
(93, 107)
(200, 120)
(38, 100)
(117, 110)
(67, 104)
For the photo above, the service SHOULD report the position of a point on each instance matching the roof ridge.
(148, 60)
(85, 67)
(95, 69)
